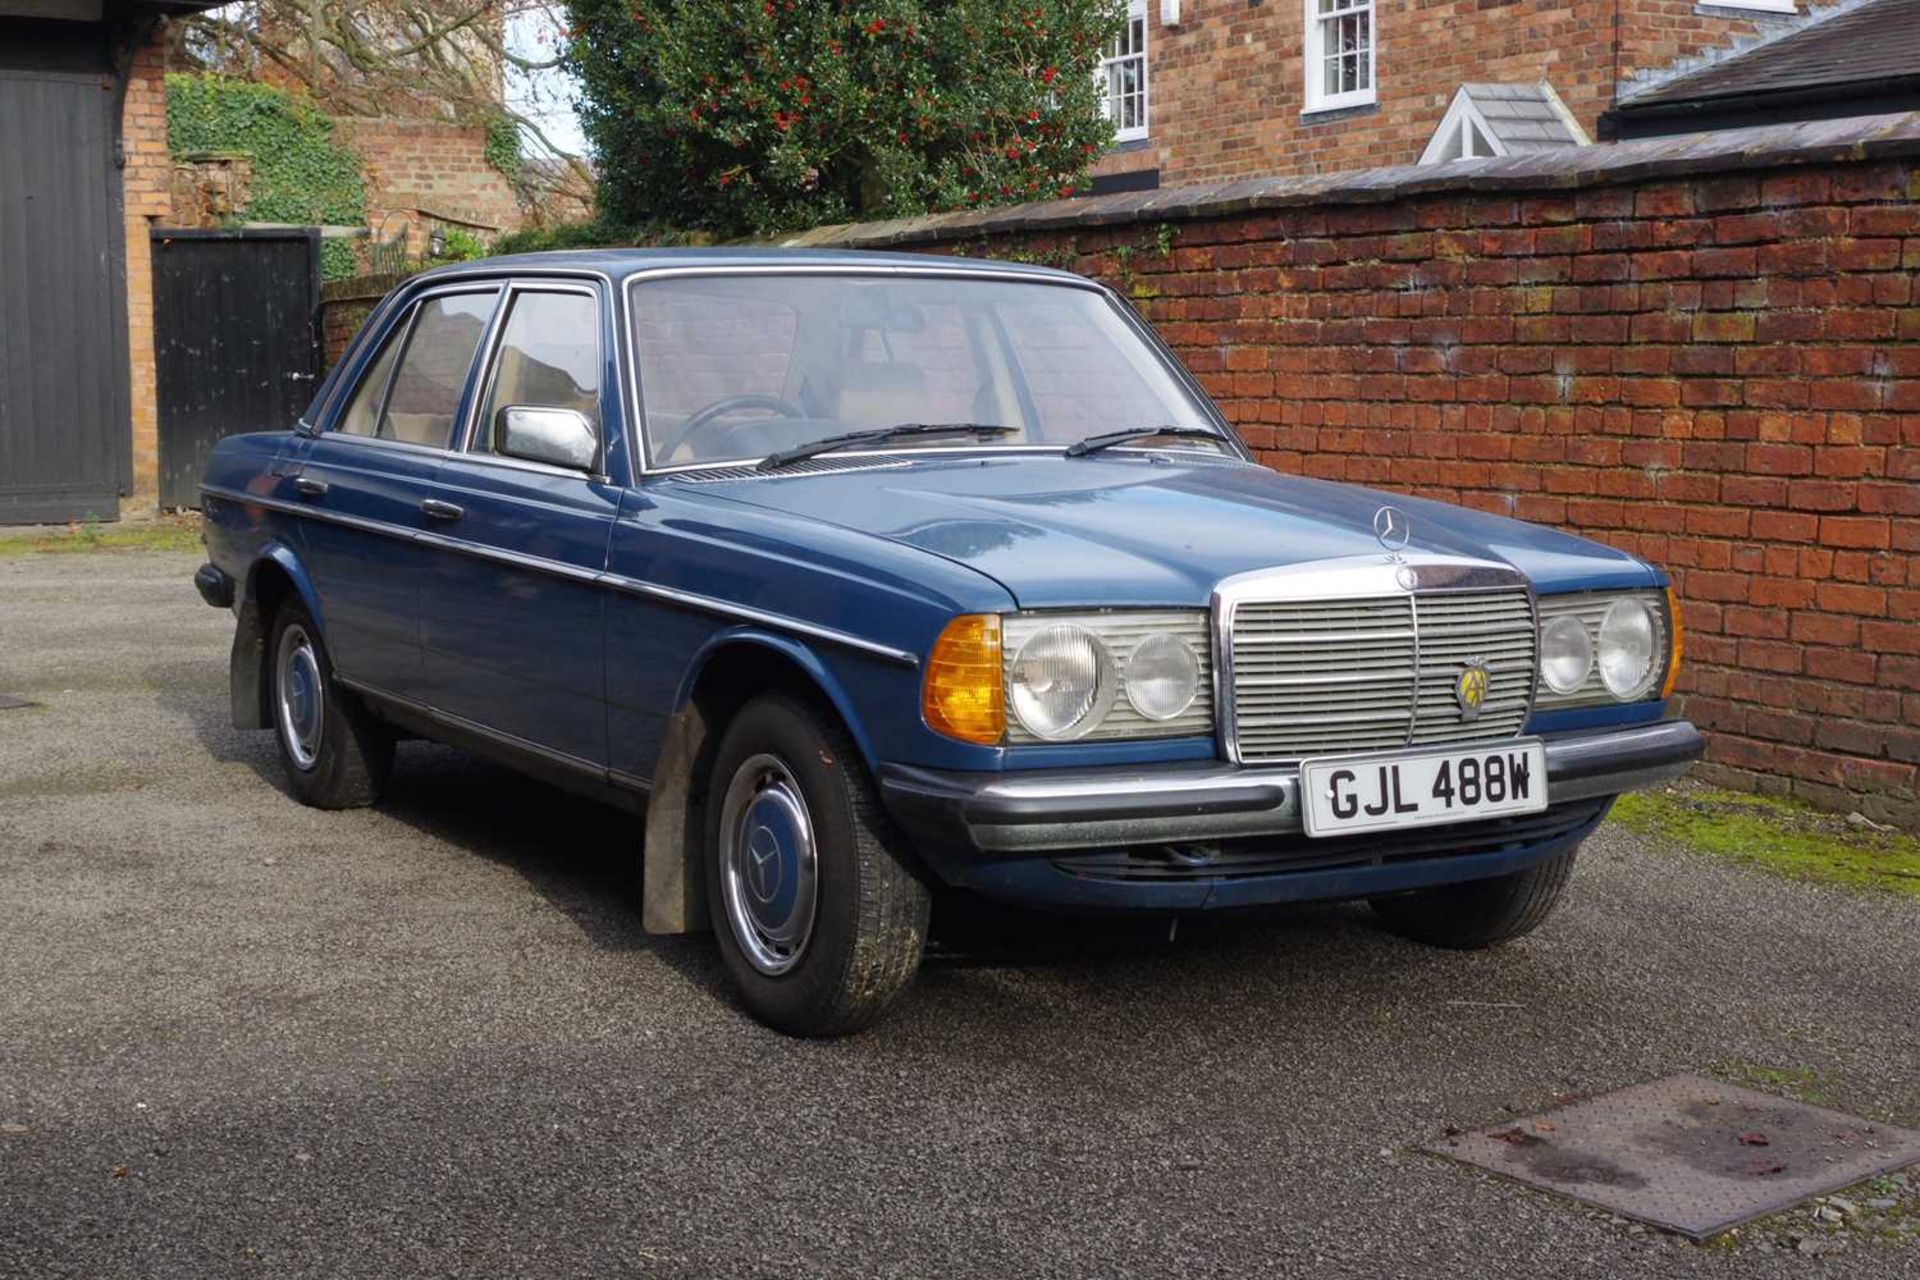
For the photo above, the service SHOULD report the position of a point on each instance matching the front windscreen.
(735, 367)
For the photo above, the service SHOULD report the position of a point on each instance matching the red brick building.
(1208, 89)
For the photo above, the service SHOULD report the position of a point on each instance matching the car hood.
(1137, 528)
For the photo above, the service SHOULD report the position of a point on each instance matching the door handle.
(310, 488)
(442, 510)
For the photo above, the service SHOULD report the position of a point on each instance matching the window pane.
(705, 340)
(549, 358)
(850, 353)
(426, 388)
(1343, 32)
(359, 419)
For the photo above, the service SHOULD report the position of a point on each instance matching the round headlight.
(1627, 635)
(1566, 654)
(1163, 676)
(1061, 682)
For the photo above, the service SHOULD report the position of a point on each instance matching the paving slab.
(1688, 1154)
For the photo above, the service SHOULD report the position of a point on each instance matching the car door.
(364, 484)
(513, 615)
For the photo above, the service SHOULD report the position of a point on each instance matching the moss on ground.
(1781, 836)
(173, 533)
(1789, 1082)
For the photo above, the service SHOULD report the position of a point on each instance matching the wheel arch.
(733, 667)
(274, 574)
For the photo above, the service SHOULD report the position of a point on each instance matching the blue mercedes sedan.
(865, 579)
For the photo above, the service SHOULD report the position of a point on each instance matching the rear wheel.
(819, 920)
(1478, 913)
(336, 755)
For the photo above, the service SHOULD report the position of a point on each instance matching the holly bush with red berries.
(753, 116)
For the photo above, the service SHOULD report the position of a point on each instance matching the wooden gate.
(236, 341)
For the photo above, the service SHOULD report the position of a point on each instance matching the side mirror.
(557, 437)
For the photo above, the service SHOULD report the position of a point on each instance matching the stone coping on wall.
(1603, 164)
(361, 288)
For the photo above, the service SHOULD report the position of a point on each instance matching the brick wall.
(429, 170)
(146, 181)
(1227, 86)
(1705, 351)
(344, 307)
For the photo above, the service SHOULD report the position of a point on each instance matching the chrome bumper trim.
(1075, 809)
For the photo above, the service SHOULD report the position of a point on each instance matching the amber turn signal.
(963, 696)
(1676, 642)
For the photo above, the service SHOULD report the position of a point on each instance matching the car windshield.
(736, 367)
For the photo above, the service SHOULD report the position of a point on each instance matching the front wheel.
(336, 755)
(1478, 913)
(819, 920)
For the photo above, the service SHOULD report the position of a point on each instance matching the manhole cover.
(1692, 1155)
(13, 702)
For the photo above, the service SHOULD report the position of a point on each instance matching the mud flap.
(246, 670)
(674, 887)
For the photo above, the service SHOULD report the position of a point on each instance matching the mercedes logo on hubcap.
(763, 863)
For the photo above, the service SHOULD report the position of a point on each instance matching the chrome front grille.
(1377, 672)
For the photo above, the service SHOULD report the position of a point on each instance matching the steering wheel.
(727, 404)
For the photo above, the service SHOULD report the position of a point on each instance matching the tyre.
(1478, 913)
(336, 755)
(819, 920)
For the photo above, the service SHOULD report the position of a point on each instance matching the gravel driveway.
(239, 1037)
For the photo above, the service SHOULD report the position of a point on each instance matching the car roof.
(619, 264)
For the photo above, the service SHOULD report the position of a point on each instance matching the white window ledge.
(1345, 102)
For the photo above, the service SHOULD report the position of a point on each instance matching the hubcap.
(768, 867)
(300, 698)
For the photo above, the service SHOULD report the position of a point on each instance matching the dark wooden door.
(64, 442)
(236, 341)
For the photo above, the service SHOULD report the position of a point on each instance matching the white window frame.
(1316, 55)
(1758, 6)
(1109, 59)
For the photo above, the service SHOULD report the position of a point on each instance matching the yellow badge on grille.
(1470, 690)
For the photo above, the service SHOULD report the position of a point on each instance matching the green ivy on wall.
(300, 173)
(503, 149)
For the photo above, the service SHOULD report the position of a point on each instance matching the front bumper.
(1187, 836)
(1046, 810)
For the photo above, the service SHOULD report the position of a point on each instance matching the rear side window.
(363, 411)
(425, 394)
(548, 358)
(416, 401)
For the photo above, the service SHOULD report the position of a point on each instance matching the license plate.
(1343, 795)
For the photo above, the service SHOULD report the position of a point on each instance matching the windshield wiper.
(1081, 448)
(880, 435)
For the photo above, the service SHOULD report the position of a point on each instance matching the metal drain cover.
(1691, 1155)
(13, 702)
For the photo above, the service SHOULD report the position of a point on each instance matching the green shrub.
(458, 245)
(753, 116)
(300, 173)
(595, 234)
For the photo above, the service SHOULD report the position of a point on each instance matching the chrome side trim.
(364, 525)
(512, 742)
(513, 559)
(578, 573)
(745, 613)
